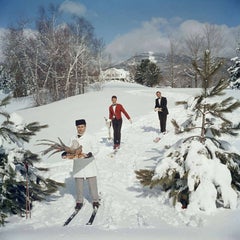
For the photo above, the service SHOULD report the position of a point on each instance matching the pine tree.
(147, 73)
(5, 83)
(234, 72)
(189, 170)
(18, 175)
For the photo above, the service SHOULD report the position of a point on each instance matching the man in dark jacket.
(162, 110)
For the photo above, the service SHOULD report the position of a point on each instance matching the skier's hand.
(89, 155)
(108, 122)
(64, 155)
(130, 120)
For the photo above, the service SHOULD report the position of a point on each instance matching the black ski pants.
(117, 125)
(163, 120)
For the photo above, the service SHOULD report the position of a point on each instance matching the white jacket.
(85, 167)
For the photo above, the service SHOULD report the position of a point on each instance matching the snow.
(128, 211)
(211, 173)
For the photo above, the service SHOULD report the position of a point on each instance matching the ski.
(92, 217)
(113, 153)
(157, 139)
(71, 217)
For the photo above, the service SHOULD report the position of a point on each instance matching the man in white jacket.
(84, 165)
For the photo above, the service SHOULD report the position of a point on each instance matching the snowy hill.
(181, 63)
(127, 210)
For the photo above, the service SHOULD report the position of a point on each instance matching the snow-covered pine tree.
(200, 171)
(17, 171)
(5, 83)
(234, 72)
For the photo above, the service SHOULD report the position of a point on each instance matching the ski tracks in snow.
(125, 202)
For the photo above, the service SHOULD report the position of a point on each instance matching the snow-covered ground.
(127, 210)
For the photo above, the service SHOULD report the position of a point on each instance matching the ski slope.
(127, 211)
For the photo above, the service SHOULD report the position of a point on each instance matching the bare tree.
(170, 59)
(173, 70)
(213, 39)
(55, 61)
(210, 39)
(194, 47)
(14, 55)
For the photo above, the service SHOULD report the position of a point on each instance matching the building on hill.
(115, 74)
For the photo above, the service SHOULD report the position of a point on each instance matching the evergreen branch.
(5, 114)
(145, 176)
(215, 68)
(42, 169)
(227, 131)
(232, 107)
(9, 135)
(219, 115)
(227, 101)
(35, 127)
(225, 106)
(176, 126)
(167, 181)
(215, 141)
(24, 135)
(5, 101)
(178, 129)
(180, 103)
(197, 69)
(218, 89)
(200, 98)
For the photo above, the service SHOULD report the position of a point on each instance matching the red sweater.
(118, 110)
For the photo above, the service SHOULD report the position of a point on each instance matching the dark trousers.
(117, 125)
(163, 120)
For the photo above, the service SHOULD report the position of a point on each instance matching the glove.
(89, 155)
(64, 155)
(108, 123)
(130, 120)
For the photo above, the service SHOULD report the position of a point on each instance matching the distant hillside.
(182, 67)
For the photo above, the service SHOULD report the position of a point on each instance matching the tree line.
(59, 59)
(55, 61)
(175, 68)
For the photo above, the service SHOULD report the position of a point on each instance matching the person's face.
(158, 94)
(81, 129)
(114, 100)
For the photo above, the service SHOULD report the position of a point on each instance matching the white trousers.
(93, 189)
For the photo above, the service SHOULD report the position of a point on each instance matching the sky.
(131, 26)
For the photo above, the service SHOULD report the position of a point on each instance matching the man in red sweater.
(115, 114)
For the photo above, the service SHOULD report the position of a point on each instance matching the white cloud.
(191, 27)
(154, 36)
(73, 8)
(149, 37)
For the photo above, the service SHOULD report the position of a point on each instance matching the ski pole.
(28, 210)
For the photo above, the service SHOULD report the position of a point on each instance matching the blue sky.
(115, 21)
